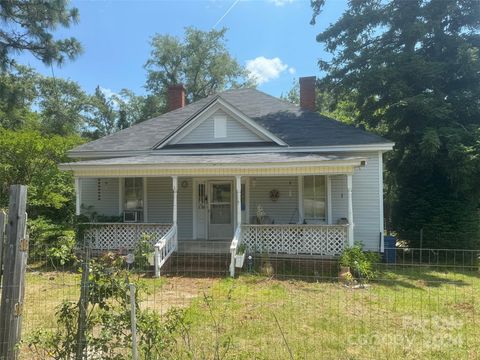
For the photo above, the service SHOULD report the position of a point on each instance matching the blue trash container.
(390, 249)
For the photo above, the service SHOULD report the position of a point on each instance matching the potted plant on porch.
(240, 256)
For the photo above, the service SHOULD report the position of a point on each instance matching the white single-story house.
(238, 167)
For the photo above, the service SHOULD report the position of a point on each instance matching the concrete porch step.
(197, 264)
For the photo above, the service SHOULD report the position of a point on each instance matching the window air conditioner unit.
(130, 216)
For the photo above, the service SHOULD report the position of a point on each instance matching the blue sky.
(273, 37)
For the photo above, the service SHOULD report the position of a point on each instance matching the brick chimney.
(307, 93)
(176, 97)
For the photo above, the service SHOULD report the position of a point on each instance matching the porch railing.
(164, 248)
(236, 242)
(114, 236)
(329, 240)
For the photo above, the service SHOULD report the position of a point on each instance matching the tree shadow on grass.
(421, 277)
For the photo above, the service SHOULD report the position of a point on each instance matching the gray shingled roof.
(286, 121)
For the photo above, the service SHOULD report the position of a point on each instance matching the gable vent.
(220, 126)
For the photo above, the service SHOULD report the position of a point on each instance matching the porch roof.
(228, 164)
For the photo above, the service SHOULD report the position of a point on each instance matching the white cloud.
(108, 92)
(292, 70)
(110, 95)
(281, 2)
(263, 70)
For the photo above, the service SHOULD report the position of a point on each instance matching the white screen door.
(220, 223)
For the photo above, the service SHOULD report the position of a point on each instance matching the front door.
(220, 210)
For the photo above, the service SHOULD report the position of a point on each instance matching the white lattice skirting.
(295, 239)
(114, 236)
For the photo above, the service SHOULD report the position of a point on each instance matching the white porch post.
(174, 216)
(238, 187)
(78, 194)
(350, 210)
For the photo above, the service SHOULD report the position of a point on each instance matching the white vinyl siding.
(235, 132)
(366, 212)
(185, 209)
(160, 200)
(282, 211)
(160, 203)
(339, 197)
(100, 196)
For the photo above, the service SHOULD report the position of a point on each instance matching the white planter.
(239, 260)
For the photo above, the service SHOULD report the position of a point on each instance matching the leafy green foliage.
(360, 262)
(51, 242)
(200, 61)
(412, 70)
(108, 322)
(136, 108)
(28, 25)
(30, 158)
(104, 117)
(63, 106)
(18, 92)
(143, 252)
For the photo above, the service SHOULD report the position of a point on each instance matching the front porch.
(297, 240)
(286, 239)
(293, 205)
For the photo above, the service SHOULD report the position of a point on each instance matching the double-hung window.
(314, 199)
(133, 195)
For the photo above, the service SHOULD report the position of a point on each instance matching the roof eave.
(383, 147)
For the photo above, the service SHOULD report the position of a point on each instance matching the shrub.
(108, 323)
(52, 243)
(360, 262)
(143, 251)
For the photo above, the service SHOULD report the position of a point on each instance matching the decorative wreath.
(274, 194)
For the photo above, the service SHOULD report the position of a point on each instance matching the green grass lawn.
(418, 313)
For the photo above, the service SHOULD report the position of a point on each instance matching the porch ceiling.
(214, 165)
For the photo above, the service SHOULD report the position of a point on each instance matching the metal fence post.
(133, 318)
(3, 221)
(16, 251)
(83, 306)
(421, 244)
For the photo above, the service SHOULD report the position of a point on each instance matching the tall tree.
(63, 106)
(343, 110)
(136, 108)
(27, 25)
(200, 61)
(18, 91)
(413, 71)
(103, 116)
(30, 158)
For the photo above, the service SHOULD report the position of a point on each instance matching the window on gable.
(314, 198)
(219, 126)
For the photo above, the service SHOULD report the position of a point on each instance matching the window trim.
(302, 201)
(142, 181)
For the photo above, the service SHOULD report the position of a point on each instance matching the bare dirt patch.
(177, 291)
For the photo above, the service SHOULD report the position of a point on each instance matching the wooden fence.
(13, 260)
